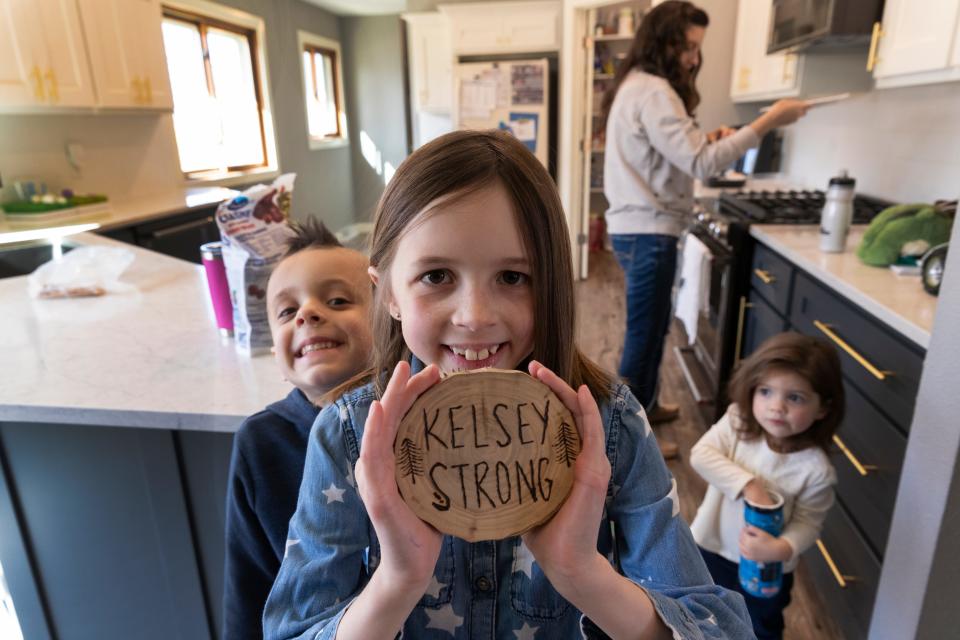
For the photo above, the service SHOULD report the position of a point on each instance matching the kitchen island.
(116, 420)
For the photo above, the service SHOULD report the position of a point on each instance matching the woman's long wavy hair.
(455, 166)
(656, 49)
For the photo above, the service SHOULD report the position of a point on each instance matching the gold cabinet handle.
(876, 373)
(148, 90)
(52, 86)
(841, 579)
(764, 276)
(744, 305)
(785, 74)
(862, 469)
(872, 58)
(137, 89)
(37, 77)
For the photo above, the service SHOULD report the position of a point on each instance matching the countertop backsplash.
(900, 144)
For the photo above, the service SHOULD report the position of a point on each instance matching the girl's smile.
(461, 288)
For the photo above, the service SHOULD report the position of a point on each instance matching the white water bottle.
(837, 214)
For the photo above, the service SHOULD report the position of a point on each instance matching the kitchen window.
(220, 114)
(323, 90)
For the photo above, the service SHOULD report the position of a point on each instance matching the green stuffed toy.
(906, 229)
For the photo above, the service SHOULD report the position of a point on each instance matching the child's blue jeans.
(766, 614)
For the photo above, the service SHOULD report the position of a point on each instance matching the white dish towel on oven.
(694, 279)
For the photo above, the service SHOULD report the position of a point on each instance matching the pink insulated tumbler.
(212, 258)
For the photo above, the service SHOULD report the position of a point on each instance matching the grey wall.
(128, 156)
(376, 104)
(918, 587)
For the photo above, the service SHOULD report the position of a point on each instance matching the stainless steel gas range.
(723, 225)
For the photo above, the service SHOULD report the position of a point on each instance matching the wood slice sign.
(485, 455)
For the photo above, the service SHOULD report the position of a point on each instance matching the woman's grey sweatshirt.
(654, 150)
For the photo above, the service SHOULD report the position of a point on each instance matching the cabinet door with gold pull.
(846, 573)
(22, 57)
(881, 363)
(66, 73)
(111, 40)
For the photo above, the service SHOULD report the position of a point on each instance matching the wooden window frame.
(312, 43)
(203, 24)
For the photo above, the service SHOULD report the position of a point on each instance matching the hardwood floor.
(600, 322)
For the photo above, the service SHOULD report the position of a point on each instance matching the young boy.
(317, 301)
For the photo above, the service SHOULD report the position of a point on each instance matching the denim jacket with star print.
(494, 589)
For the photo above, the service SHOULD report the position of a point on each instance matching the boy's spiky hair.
(310, 234)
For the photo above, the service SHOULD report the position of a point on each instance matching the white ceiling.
(361, 7)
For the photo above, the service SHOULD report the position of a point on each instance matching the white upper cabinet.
(430, 61)
(125, 43)
(503, 27)
(43, 63)
(919, 42)
(757, 75)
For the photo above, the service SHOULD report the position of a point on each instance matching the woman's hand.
(780, 114)
(788, 111)
(720, 133)
(759, 546)
(566, 546)
(409, 546)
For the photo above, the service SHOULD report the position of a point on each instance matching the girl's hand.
(566, 546)
(759, 546)
(409, 546)
(756, 494)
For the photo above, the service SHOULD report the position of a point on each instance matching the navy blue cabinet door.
(103, 513)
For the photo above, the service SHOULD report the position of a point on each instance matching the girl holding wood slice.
(470, 260)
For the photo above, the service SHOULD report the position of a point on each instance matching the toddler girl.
(787, 403)
(470, 258)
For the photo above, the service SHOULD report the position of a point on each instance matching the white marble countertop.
(150, 358)
(898, 301)
(115, 214)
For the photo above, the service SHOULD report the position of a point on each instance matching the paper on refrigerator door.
(478, 98)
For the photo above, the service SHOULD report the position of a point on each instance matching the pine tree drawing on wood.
(410, 460)
(566, 444)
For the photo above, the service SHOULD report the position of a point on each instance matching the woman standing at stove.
(654, 150)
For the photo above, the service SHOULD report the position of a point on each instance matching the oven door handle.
(741, 321)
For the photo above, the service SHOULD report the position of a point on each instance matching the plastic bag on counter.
(254, 230)
(83, 272)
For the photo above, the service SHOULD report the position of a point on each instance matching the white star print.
(333, 493)
(444, 619)
(435, 587)
(526, 632)
(286, 547)
(712, 620)
(523, 560)
(675, 497)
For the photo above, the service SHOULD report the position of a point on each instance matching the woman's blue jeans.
(649, 263)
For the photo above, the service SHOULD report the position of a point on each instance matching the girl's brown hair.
(454, 166)
(656, 48)
(813, 359)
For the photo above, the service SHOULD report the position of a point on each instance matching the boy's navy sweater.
(265, 472)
